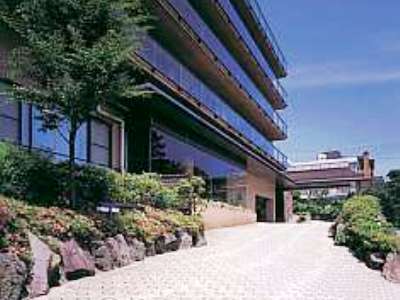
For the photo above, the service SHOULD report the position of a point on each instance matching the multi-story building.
(332, 175)
(213, 68)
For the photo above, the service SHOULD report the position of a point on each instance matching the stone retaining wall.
(219, 215)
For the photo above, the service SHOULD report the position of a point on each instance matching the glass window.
(100, 151)
(9, 119)
(176, 155)
(55, 141)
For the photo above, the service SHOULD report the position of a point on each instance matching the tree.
(389, 194)
(75, 55)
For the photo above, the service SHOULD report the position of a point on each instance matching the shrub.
(365, 229)
(28, 175)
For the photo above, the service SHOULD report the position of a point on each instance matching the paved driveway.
(260, 261)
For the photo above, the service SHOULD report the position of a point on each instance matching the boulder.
(199, 239)
(340, 235)
(185, 239)
(137, 249)
(76, 262)
(391, 269)
(41, 259)
(375, 260)
(119, 250)
(172, 243)
(13, 274)
(150, 248)
(159, 245)
(54, 272)
(103, 259)
(166, 242)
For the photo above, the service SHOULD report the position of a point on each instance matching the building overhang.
(259, 28)
(196, 55)
(226, 30)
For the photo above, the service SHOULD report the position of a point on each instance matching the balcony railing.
(245, 35)
(186, 11)
(258, 14)
(167, 65)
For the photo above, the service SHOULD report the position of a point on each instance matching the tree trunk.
(71, 164)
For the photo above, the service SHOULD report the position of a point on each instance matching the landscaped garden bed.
(44, 242)
(362, 227)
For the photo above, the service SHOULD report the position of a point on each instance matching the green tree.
(389, 193)
(74, 55)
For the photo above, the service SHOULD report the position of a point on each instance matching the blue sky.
(344, 81)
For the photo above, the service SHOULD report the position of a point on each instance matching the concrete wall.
(218, 215)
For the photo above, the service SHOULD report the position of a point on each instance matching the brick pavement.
(259, 261)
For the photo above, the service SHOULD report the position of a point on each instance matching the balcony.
(251, 13)
(203, 34)
(222, 17)
(163, 62)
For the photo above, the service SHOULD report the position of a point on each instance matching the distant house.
(333, 175)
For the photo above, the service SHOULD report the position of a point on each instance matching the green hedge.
(28, 175)
(317, 208)
(35, 178)
(364, 229)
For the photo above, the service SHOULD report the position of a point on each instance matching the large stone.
(150, 248)
(172, 243)
(391, 269)
(41, 259)
(166, 242)
(102, 256)
(76, 262)
(159, 245)
(375, 260)
(185, 239)
(199, 239)
(340, 234)
(13, 274)
(137, 249)
(119, 250)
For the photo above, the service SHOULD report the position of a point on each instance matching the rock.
(54, 272)
(41, 259)
(13, 274)
(119, 250)
(172, 243)
(375, 260)
(391, 269)
(340, 236)
(150, 249)
(159, 245)
(199, 239)
(137, 250)
(103, 259)
(76, 262)
(166, 242)
(185, 239)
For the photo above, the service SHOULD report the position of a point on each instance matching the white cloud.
(339, 74)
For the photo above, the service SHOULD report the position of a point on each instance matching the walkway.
(260, 261)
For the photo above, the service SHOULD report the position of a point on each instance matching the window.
(100, 143)
(9, 119)
(54, 141)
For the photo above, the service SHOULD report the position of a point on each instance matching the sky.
(344, 77)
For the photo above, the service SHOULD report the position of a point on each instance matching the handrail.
(244, 34)
(259, 15)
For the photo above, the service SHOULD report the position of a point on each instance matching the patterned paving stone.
(260, 261)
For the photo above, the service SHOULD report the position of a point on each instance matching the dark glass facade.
(174, 154)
